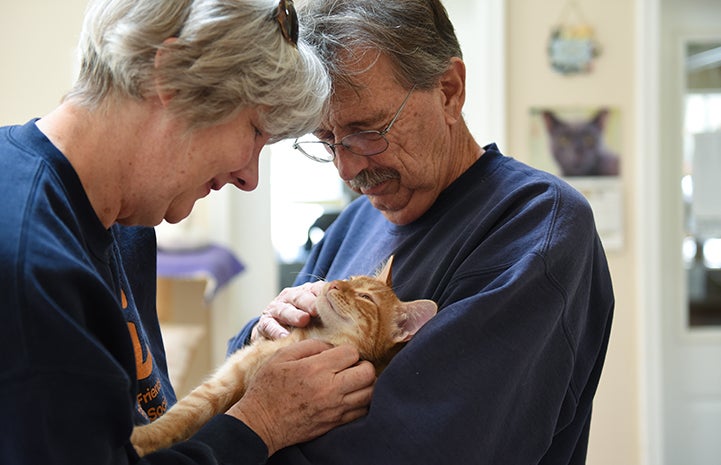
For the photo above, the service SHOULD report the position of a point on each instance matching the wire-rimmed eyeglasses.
(366, 143)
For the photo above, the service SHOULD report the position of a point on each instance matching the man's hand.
(305, 390)
(294, 307)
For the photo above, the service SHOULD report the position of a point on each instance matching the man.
(507, 370)
(174, 99)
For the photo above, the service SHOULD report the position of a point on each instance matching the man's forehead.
(363, 99)
(343, 95)
(371, 74)
(352, 107)
(363, 106)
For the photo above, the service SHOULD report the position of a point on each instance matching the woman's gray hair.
(416, 35)
(223, 55)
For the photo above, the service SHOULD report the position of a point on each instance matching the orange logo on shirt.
(143, 367)
(152, 402)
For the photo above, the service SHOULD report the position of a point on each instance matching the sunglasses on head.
(288, 20)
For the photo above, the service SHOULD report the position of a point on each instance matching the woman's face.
(191, 164)
(218, 155)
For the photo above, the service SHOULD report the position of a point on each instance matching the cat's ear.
(600, 118)
(385, 274)
(550, 119)
(411, 316)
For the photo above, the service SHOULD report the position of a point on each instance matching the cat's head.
(365, 312)
(576, 145)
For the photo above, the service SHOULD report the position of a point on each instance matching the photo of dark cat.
(362, 311)
(578, 147)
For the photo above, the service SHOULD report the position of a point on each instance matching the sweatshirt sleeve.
(223, 440)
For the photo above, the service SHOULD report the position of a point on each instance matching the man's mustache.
(369, 178)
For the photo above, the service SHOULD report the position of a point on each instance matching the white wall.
(242, 222)
(615, 430)
(37, 55)
(480, 27)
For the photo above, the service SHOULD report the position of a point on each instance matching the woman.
(174, 99)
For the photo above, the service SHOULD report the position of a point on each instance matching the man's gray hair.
(416, 35)
(223, 55)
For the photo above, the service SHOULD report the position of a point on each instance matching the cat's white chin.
(328, 309)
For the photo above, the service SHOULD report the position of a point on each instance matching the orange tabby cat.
(362, 311)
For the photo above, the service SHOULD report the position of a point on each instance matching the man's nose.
(348, 163)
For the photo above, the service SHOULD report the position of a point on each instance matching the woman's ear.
(164, 95)
(453, 87)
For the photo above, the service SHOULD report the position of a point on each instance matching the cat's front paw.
(142, 440)
(141, 452)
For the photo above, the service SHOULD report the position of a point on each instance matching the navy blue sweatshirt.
(83, 359)
(507, 371)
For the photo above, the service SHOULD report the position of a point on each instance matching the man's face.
(406, 179)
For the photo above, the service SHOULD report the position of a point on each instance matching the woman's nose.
(246, 178)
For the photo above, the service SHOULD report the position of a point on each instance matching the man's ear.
(164, 95)
(453, 87)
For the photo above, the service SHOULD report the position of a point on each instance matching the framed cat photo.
(581, 145)
(576, 141)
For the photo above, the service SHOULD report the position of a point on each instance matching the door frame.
(648, 222)
(662, 290)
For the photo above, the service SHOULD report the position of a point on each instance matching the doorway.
(683, 347)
